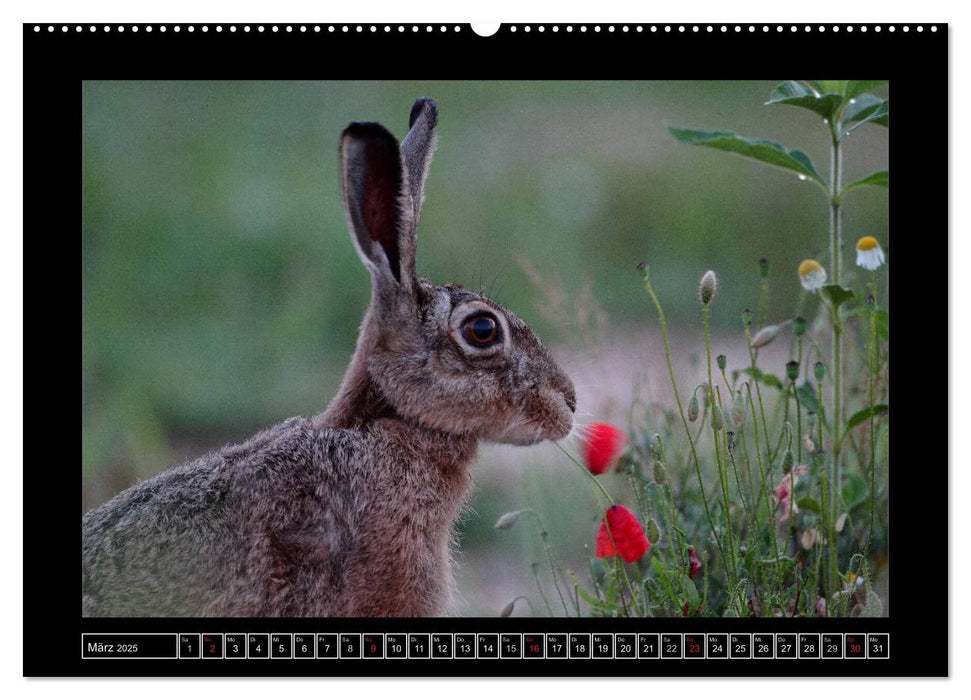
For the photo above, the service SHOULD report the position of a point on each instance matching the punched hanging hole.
(485, 28)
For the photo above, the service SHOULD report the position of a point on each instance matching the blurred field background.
(221, 293)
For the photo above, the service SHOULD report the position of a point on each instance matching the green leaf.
(807, 397)
(880, 115)
(883, 324)
(800, 94)
(837, 86)
(883, 320)
(860, 107)
(762, 150)
(810, 504)
(588, 597)
(764, 377)
(836, 294)
(857, 87)
(854, 491)
(864, 414)
(881, 178)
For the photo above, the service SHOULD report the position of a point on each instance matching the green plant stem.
(677, 397)
(763, 300)
(836, 250)
(798, 409)
(872, 362)
(763, 493)
(758, 394)
(675, 532)
(586, 473)
(550, 559)
(716, 436)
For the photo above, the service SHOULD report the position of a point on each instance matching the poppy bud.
(653, 532)
(717, 417)
(792, 370)
(707, 287)
(765, 336)
(721, 360)
(507, 520)
(798, 325)
(694, 563)
(738, 410)
(764, 268)
(819, 369)
(747, 317)
(693, 408)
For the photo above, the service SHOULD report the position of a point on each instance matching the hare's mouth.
(554, 423)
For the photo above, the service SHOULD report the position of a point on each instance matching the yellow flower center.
(867, 243)
(807, 267)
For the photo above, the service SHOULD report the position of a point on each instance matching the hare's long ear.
(418, 147)
(378, 203)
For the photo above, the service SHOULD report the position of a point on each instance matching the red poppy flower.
(627, 534)
(602, 446)
(694, 563)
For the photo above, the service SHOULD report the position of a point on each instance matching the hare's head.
(443, 357)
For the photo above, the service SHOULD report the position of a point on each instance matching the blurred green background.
(221, 293)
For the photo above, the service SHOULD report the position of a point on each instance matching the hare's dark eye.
(480, 330)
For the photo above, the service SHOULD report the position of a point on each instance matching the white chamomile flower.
(811, 275)
(869, 254)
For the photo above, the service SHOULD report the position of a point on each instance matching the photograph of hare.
(484, 348)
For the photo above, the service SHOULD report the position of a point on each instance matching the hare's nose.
(570, 396)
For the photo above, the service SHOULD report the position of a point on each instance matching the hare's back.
(208, 537)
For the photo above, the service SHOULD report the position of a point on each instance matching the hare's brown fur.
(349, 513)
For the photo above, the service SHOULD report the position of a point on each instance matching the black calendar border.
(55, 64)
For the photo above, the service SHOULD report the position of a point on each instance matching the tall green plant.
(844, 106)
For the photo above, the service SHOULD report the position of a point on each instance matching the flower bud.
(660, 475)
(765, 336)
(730, 438)
(819, 369)
(738, 410)
(693, 408)
(809, 538)
(798, 325)
(645, 268)
(694, 562)
(707, 287)
(764, 268)
(507, 611)
(653, 532)
(792, 370)
(717, 417)
(787, 460)
(721, 360)
(841, 522)
(507, 520)
(747, 317)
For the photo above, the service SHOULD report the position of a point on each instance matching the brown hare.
(348, 513)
